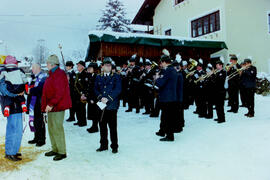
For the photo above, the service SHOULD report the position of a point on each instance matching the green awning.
(153, 40)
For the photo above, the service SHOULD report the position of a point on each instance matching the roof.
(153, 40)
(146, 13)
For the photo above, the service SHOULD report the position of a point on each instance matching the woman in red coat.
(55, 100)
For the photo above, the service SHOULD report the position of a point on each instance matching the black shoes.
(249, 115)
(153, 115)
(221, 122)
(41, 143)
(92, 130)
(167, 139)
(70, 120)
(209, 117)
(138, 111)
(129, 110)
(178, 130)
(38, 143)
(13, 157)
(231, 110)
(114, 151)
(159, 133)
(59, 157)
(51, 153)
(102, 149)
(32, 142)
(82, 125)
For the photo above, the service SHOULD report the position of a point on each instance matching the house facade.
(244, 25)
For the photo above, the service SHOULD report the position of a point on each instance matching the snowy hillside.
(235, 150)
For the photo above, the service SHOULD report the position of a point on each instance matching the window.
(206, 24)
(168, 32)
(269, 22)
(178, 2)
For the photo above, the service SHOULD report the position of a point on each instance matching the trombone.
(238, 71)
(190, 73)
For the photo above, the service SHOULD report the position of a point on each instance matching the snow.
(144, 35)
(263, 75)
(237, 149)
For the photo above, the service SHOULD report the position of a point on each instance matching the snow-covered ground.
(236, 150)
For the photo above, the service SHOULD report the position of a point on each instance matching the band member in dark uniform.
(123, 74)
(186, 85)
(133, 75)
(242, 90)
(179, 116)
(92, 108)
(200, 90)
(147, 92)
(168, 97)
(249, 81)
(219, 91)
(209, 90)
(107, 89)
(233, 89)
(80, 87)
(71, 79)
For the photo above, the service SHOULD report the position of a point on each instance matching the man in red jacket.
(55, 100)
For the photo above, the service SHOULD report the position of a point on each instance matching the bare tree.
(40, 51)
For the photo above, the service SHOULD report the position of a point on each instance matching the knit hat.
(53, 60)
(11, 60)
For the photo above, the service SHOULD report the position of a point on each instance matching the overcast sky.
(23, 22)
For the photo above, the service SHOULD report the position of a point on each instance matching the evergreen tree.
(114, 17)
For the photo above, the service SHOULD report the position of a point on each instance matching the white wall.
(244, 25)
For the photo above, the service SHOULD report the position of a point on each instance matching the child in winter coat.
(15, 80)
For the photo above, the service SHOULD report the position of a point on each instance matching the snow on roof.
(144, 35)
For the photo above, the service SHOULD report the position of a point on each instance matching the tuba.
(193, 63)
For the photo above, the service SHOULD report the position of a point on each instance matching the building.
(244, 25)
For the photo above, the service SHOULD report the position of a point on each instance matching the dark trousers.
(109, 119)
(219, 102)
(234, 98)
(72, 110)
(209, 104)
(93, 114)
(81, 113)
(133, 99)
(40, 128)
(250, 96)
(156, 108)
(201, 103)
(243, 96)
(148, 102)
(179, 119)
(168, 118)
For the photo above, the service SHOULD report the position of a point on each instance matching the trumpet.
(207, 75)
